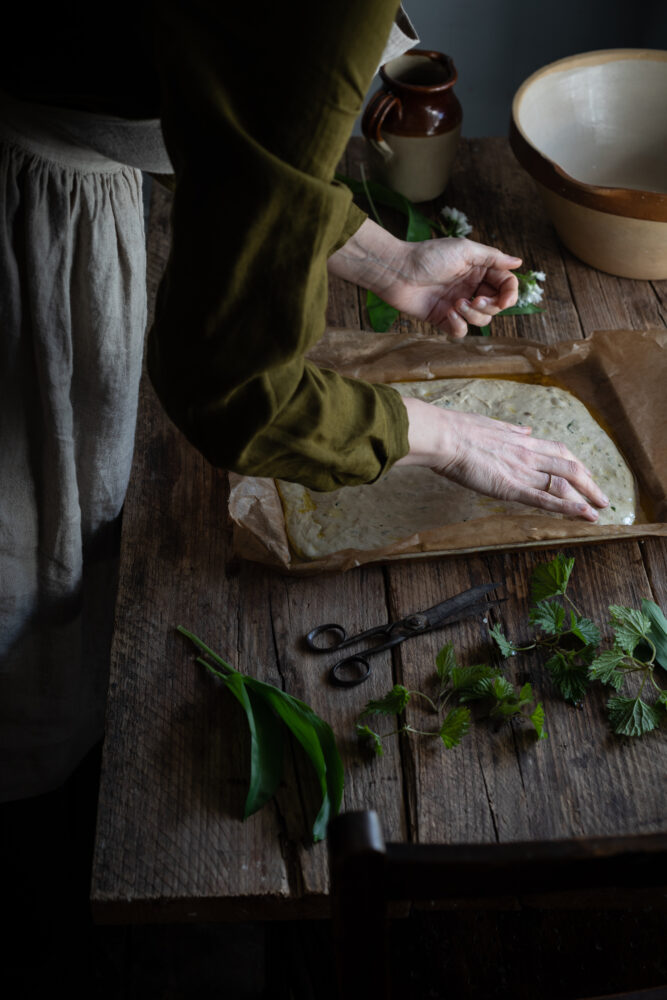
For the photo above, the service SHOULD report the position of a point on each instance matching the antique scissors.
(355, 669)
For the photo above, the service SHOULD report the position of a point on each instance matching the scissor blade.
(461, 604)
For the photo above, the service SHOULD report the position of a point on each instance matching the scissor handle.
(315, 632)
(337, 672)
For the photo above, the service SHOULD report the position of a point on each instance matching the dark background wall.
(496, 44)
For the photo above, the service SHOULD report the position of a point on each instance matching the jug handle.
(376, 111)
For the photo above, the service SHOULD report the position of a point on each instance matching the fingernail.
(464, 306)
(481, 303)
(605, 500)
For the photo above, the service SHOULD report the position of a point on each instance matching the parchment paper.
(621, 376)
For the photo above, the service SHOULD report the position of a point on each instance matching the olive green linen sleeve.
(257, 110)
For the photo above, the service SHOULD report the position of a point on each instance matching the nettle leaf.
(662, 699)
(463, 678)
(537, 719)
(392, 703)
(381, 315)
(569, 677)
(632, 716)
(630, 627)
(550, 579)
(495, 686)
(369, 735)
(549, 616)
(605, 668)
(454, 727)
(445, 662)
(506, 647)
(585, 629)
(658, 631)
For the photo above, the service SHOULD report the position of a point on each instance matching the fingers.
(499, 291)
(563, 475)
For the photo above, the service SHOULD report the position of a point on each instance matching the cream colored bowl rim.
(632, 203)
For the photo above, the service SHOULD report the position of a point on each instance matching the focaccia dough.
(413, 499)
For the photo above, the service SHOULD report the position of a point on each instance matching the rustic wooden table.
(171, 844)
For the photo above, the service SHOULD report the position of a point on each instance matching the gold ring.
(548, 486)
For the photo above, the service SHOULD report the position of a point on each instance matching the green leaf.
(604, 668)
(266, 744)
(658, 631)
(392, 703)
(463, 678)
(262, 703)
(585, 629)
(570, 678)
(506, 647)
(550, 579)
(630, 626)
(369, 735)
(526, 310)
(381, 315)
(454, 727)
(317, 739)
(495, 686)
(662, 699)
(549, 616)
(445, 662)
(632, 716)
(417, 221)
(537, 719)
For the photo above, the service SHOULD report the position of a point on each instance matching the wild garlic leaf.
(506, 647)
(265, 707)
(569, 677)
(585, 629)
(630, 626)
(605, 668)
(392, 703)
(382, 316)
(369, 735)
(463, 678)
(445, 662)
(454, 727)
(550, 579)
(317, 739)
(658, 631)
(537, 719)
(549, 616)
(632, 716)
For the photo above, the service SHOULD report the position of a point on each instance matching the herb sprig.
(572, 642)
(454, 687)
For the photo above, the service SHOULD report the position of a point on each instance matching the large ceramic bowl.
(592, 132)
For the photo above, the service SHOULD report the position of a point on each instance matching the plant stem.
(368, 196)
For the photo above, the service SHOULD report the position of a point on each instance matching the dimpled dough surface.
(414, 499)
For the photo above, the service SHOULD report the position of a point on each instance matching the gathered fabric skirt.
(72, 324)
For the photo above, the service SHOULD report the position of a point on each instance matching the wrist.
(430, 439)
(372, 258)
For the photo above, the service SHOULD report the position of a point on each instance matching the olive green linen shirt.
(257, 102)
(257, 109)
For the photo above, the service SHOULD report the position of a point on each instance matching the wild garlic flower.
(456, 222)
(530, 292)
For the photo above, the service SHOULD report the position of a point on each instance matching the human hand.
(500, 460)
(447, 282)
(454, 282)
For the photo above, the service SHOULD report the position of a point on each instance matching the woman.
(256, 105)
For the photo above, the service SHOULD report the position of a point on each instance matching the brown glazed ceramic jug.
(413, 124)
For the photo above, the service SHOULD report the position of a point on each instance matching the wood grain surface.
(171, 843)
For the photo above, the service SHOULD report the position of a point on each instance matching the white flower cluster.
(456, 222)
(530, 292)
